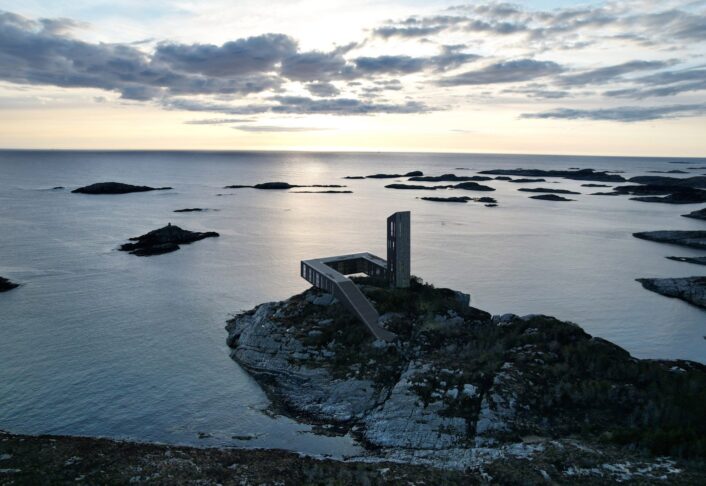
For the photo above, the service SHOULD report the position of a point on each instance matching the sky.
(542, 76)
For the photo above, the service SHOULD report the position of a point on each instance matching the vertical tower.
(398, 249)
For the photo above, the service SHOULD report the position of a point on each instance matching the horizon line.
(342, 151)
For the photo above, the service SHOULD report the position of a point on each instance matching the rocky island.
(278, 186)
(578, 175)
(692, 239)
(689, 289)
(550, 197)
(115, 188)
(6, 285)
(164, 240)
(547, 190)
(461, 389)
(699, 214)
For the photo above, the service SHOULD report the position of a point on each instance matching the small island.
(692, 239)
(164, 240)
(115, 188)
(550, 197)
(579, 175)
(698, 214)
(689, 289)
(547, 190)
(6, 285)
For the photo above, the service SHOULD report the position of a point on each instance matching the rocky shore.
(465, 390)
(691, 239)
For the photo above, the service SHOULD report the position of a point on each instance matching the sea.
(98, 342)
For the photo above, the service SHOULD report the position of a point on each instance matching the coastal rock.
(6, 285)
(460, 199)
(189, 210)
(595, 185)
(458, 387)
(579, 175)
(547, 191)
(698, 214)
(414, 187)
(322, 192)
(696, 260)
(550, 197)
(695, 181)
(689, 289)
(278, 186)
(448, 178)
(115, 188)
(692, 239)
(163, 240)
(472, 186)
(524, 180)
(414, 173)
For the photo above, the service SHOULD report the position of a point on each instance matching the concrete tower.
(398, 249)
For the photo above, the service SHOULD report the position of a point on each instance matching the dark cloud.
(252, 55)
(323, 89)
(316, 66)
(623, 113)
(668, 83)
(504, 72)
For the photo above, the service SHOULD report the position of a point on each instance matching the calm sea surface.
(100, 342)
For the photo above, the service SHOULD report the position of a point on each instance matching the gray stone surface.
(690, 289)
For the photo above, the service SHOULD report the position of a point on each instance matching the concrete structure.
(398, 249)
(329, 274)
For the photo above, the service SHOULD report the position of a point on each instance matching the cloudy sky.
(541, 76)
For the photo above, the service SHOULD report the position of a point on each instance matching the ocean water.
(100, 342)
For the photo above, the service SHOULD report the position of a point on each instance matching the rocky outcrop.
(278, 186)
(595, 185)
(460, 199)
(695, 181)
(699, 214)
(695, 260)
(526, 181)
(547, 190)
(661, 193)
(6, 285)
(692, 239)
(115, 188)
(322, 192)
(472, 186)
(164, 240)
(459, 386)
(550, 197)
(579, 175)
(689, 289)
(414, 173)
(189, 210)
(449, 178)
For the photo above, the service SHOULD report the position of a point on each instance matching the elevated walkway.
(328, 274)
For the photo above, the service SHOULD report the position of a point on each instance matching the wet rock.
(163, 240)
(115, 188)
(546, 190)
(579, 175)
(6, 285)
(692, 239)
(550, 197)
(689, 289)
(696, 260)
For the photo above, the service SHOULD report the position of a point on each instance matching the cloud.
(611, 73)
(623, 113)
(252, 55)
(276, 128)
(216, 121)
(323, 89)
(299, 105)
(406, 32)
(668, 83)
(504, 72)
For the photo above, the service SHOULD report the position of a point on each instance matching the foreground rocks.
(692, 239)
(579, 175)
(690, 289)
(115, 188)
(164, 240)
(462, 389)
(82, 460)
(6, 285)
